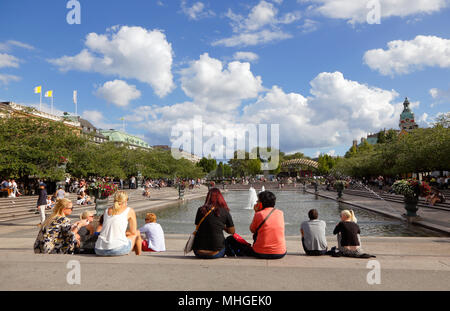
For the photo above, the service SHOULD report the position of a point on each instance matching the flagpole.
(40, 101)
(52, 103)
(75, 101)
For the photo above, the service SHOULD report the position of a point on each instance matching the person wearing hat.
(42, 201)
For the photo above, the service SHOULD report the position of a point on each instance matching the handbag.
(190, 241)
(235, 245)
(255, 235)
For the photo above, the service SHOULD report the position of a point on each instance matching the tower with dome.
(407, 122)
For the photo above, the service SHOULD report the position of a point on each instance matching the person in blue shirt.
(42, 201)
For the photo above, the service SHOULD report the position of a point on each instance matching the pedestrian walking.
(42, 201)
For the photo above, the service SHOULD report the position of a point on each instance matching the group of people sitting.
(83, 198)
(435, 197)
(117, 232)
(10, 188)
(267, 228)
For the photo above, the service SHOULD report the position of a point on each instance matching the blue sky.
(316, 67)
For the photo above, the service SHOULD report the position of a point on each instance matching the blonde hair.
(151, 217)
(86, 214)
(57, 210)
(349, 214)
(120, 198)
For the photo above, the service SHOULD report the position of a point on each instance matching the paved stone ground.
(406, 264)
(419, 264)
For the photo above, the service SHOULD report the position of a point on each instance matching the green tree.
(326, 164)
(391, 135)
(228, 172)
(351, 152)
(220, 172)
(207, 164)
(381, 137)
(420, 150)
(37, 147)
(246, 166)
(442, 119)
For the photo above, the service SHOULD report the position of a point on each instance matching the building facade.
(186, 155)
(122, 138)
(87, 128)
(19, 110)
(407, 122)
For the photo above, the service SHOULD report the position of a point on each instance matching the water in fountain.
(252, 198)
(362, 186)
(179, 218)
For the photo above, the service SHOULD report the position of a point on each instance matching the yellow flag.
(122, 119)
(49, 94)
(38, 89)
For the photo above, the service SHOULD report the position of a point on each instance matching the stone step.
(27, 208)
(25, 215)
(398, 199)
(23, 205)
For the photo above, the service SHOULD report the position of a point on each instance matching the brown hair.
(150, 217)
(313, 214)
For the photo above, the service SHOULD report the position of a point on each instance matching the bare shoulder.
(131, 213)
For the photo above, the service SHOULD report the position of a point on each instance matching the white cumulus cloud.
(99, 121)
(309, 26)
(255, 38)
(118, 92)
(126, 52)
(8, 45)
(336, 110)
(262, 25)
(5, 79)
(196, 11)
(402, 57)
(357, 104)
(7, 60)
(246, 56)
(218, 88)
(356, 11)
(439, 96)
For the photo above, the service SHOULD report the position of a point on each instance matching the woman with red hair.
(209, 242)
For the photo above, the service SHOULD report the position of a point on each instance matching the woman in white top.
(114, 239)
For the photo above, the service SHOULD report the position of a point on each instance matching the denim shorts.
(220, 254)
(120, 251)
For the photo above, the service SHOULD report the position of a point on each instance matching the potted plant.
(339, 185)
(411, 189)
(102, 191)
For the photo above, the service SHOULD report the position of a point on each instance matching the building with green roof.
(407, 122)
(126, 139)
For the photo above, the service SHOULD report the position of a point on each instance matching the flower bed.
(411, 189)
(103, 190)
